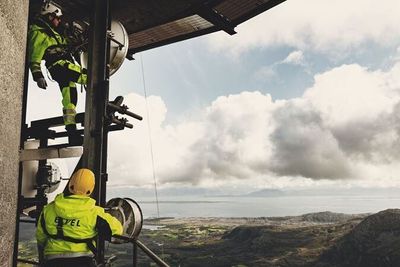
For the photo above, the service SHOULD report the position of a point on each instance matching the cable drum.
(128, 212)
(118, 47)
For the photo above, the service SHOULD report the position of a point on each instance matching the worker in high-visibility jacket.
(68, 226)
(46, 43)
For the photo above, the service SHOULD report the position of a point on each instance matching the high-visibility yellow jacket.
(81, 220)
(41, 37)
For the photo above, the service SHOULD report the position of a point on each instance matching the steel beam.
(95, 133)
(50, 153)
(223, 23)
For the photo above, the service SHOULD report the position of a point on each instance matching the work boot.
(74, 138)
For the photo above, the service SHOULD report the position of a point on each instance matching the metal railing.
(146, 250)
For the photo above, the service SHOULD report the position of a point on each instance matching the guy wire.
(150, 139)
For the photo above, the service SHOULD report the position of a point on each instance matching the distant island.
(325, 192)
(322, 239)
(266, 193)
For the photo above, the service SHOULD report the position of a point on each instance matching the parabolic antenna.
(118, 47)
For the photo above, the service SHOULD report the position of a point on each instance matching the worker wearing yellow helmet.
(68, 226)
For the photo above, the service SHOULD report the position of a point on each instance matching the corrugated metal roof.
(153, 23)
(167, 31)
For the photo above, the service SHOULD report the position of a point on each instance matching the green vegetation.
(219, 242)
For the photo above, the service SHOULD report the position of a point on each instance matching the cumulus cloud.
(304, 145)
(227, 141)
(361, 109)
(346, 127)
(322, 25)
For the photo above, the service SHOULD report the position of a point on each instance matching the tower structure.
(149, 24)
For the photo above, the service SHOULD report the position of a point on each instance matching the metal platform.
(150, 24)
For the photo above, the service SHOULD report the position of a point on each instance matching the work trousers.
(70, 262)
(67, 74)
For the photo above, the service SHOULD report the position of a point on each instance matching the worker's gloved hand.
(41, 82)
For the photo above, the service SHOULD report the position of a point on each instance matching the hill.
(323, 239)
(372, 243)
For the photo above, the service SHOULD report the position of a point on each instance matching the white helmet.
(50, 7)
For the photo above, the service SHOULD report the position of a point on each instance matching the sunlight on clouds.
(322, 25)
(344, 128)
(351, 92)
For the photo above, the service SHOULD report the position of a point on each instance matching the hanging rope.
(150, 139)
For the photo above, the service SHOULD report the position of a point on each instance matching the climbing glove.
(41, 82)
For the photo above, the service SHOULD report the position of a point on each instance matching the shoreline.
(323, 239)
(315, 218)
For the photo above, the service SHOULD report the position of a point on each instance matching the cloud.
(304, 145)
(266, 73)
(361, 109)
(396, 56)
(346, 127)
(321, 25)
(351, 93)
(294, 58)
(224, 142)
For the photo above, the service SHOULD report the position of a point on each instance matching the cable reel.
(128, 212)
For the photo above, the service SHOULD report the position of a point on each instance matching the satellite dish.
(118, 47)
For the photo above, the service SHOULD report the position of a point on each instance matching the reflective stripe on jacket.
(82, 219)
(41, 36)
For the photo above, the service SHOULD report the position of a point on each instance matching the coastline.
(322, 239)
(233, 241)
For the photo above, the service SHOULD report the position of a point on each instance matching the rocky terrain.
(375, 242)
(320, 239)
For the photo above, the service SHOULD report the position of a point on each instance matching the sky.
(305, 95)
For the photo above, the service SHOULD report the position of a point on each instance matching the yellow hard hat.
(82, 182)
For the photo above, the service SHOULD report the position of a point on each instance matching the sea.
(245, 206)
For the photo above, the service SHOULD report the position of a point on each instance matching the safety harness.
(60, 234)
(56, 52)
